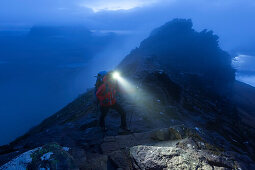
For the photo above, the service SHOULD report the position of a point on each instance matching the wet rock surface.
(154, 157)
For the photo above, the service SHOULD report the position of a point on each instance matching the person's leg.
(104, 111)
(122, 113)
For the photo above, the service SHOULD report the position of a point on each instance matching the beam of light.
(126, 86)
(145, 103)
(135, 94)
(130, 89)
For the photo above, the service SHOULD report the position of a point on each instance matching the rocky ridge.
(174, 126)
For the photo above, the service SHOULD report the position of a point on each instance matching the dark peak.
(174, 26)
(179, 47)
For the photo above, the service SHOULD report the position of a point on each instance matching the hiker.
(106, 93)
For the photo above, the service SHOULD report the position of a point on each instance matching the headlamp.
(116, 75)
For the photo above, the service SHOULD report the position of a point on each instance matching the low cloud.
(231, 20)
(115, 5)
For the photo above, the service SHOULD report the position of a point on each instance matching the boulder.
(161, 134)
(50, 156)
(154, 157)
(172, 133)
(21, 161)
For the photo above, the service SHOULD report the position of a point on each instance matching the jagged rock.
(153, 157)
(173, 133)
(20, 162)
(161, 134)
(50, 156)
(150, 157)
(178, 132)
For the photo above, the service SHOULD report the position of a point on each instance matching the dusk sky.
(232, 20)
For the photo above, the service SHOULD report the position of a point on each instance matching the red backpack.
(106, 93)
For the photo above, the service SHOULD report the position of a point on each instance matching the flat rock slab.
(115, 143)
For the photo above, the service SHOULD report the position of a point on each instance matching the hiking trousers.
(104, 110)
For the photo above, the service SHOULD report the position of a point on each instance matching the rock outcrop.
(155, 157)
(169, 148)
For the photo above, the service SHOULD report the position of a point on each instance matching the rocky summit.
(184, 112)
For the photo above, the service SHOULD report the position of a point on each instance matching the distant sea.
(246, 78)
(244, 64)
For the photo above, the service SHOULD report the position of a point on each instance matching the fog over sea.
(245, 69)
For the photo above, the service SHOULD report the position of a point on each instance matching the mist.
(48, 68)
(50, 50)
